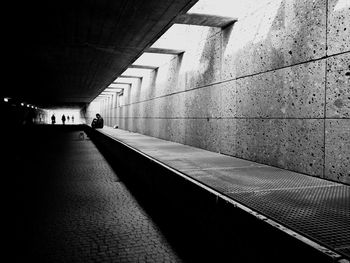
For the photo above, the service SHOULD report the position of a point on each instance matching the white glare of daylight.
(342, 4)
(136, 72)
(72, 115)
(114, 89)
(119, 85)
(189, 38)
(153, 59)
(180, 36)
(227, 8)
(265, 24)
(128, 81)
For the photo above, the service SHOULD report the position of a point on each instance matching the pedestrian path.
(86, 213)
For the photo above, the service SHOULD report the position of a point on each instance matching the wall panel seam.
(233, 79)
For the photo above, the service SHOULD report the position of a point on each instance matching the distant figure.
(53, 119)
(72, 119)
(68, 118)
(63, 119)
(97, 122)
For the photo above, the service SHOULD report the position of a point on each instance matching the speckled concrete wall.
(273, 88)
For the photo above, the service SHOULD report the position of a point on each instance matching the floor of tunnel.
(68, 205)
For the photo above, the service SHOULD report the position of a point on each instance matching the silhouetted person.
(97, 122)
(63, 119)
(53, 119)
(72, 119)
(68, 118)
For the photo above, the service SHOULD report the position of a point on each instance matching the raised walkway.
(312, 211)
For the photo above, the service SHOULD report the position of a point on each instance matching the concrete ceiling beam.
(143, 67)
(130, 77)
(113, 89)
(119, 83)
(164, 51)
(108, 92)
(205, 20)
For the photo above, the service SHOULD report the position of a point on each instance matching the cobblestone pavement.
(85, 213)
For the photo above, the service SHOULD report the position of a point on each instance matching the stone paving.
(89, 215)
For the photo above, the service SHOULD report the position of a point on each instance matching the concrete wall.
(273, 88)
(89, 113)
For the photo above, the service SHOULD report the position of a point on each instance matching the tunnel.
(176, 131)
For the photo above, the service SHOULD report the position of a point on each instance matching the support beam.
(164, 51)
(108, 93)
(113, 89)
(204, 20)
(130, 77)
(143, 67)
(118, 83)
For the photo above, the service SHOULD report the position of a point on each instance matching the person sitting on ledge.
(97, 122)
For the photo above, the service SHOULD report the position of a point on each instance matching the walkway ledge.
(248, 212)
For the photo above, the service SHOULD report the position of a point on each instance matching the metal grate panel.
(250, 179)
(315, 208)
(315, 212)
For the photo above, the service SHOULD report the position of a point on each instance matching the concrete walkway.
(71, 207)
(317, 209)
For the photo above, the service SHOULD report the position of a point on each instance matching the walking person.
(63, 119)
(53, 119)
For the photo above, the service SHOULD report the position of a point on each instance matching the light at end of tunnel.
(6, 99)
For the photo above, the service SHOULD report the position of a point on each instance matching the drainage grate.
(315, 208)
(320, 213)
(259, 178)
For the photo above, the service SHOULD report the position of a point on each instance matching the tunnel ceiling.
(62, 51)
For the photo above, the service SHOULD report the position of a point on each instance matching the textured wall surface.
(273, 88)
